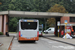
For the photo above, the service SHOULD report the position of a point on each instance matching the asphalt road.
(42, 44)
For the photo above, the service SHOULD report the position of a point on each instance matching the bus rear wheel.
(33, 41)
(19, 41)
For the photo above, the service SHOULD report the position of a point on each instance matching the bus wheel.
(41, 35)
(19, 41)
(33, 41)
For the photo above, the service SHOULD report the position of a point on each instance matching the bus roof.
(28, 19)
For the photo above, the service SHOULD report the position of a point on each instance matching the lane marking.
(64, 47)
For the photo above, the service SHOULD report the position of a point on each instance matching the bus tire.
(19, 41)
(33, 41)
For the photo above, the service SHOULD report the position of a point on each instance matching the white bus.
(28, 30)
(40, 30)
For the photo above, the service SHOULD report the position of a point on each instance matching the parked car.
(49, 30)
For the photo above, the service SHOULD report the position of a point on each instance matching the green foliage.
(13, 24)
(55, 8)
(51, 22)
(35, 5)
(1, 33)
(58, 8)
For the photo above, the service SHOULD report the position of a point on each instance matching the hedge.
(1, 33)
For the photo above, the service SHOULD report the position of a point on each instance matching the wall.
(62, 19)
(0, 23)
(5, 24)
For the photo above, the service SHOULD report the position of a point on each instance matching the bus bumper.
(28, 39)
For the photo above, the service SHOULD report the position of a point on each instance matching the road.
(42, 44)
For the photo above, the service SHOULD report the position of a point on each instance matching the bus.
(40, 30)
(28, 30)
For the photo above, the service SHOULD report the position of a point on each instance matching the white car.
(49, 30)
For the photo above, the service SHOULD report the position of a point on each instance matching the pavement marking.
(64, 47)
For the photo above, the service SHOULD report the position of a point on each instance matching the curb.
(11, 43)
(60, 41)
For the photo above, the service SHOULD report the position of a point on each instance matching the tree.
(55, 8)
(58, 8)
(51, 22)
(69, 5)
(13, 24)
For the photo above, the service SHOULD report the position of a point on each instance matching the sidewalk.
(59, 39)
(5, 41)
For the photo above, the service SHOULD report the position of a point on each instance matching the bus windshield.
(28, 25)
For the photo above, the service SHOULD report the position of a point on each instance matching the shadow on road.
(28, 42)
